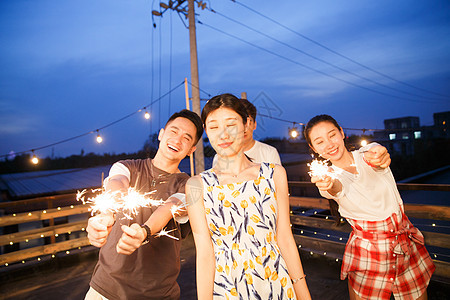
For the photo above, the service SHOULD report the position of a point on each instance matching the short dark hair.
(224, 100)
(191, 116)
(250, 108)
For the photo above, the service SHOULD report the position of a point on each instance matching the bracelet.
(294, 281)
(149, 234)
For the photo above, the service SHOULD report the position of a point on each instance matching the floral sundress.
(242, 221)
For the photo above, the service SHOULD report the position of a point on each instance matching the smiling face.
(225, 130)
(177, 139)
(328, 141)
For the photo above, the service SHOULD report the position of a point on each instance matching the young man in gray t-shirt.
(133, 263)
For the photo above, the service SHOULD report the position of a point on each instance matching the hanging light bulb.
(99, 138)
(147, 115)
(293, 132)
(363, 142)
(34, 158)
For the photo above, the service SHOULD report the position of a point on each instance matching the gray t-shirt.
(151, 271)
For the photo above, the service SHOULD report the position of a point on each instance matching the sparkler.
(128, 202)
(176, 210)
(102, 203)
(320, 168)
(165, 232)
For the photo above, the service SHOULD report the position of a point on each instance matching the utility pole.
(195, 85)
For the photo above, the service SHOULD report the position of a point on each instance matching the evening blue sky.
(70, 67)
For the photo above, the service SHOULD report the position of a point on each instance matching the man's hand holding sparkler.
(132, 238)
(377, 157)
(99, 228)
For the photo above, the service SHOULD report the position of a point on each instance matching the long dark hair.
(224, 100)
(334, 206)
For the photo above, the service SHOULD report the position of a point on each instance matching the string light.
(363, 142)
(147, 115)
(99, 137)
(34, 158)
(293, 132)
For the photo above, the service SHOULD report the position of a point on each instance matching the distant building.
(401, 134)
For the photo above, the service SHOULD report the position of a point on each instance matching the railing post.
(51, 222)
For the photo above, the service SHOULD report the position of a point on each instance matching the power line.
(321, 60)
(339, 54)
(306, 66)
(98, 129)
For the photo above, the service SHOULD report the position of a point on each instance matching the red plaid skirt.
(384, 257)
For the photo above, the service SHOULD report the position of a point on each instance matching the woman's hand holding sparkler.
(131, 239)
(327, 184)
(99, 228)
(377, 157)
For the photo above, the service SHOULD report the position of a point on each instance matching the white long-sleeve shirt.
(370, 194)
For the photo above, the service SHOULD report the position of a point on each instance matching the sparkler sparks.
(177, 210)
(165, 232)
(320, 168)
(128, 202)
(133, 200)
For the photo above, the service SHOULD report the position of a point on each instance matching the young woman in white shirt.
(385, 253)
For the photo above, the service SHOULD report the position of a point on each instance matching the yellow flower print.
(250, 230)
(226, 203)
(274, 275)
(290, 293)
(235, 194)
(272, 255)
(219, 269)
(230, 186)
(264, 251)
(235, 264)
(283, 281)
(209, 188)
(267, 191)
(219, 242)
(252, 199)
(235, 246)
(249, 278)
(221, 196)
(208, 210)
(223, 230)
(246, 265)
(226, 297)
(273, 208)
(244, 204)
(258, 259)
(275, 195)
(255, 218)
(230, 230)
(227, 270)
(269, 237)
(212, 227)
(233, 292)
(251, 264)
(267, 272)
(272, 166)
(257, 181)
(220, 187)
